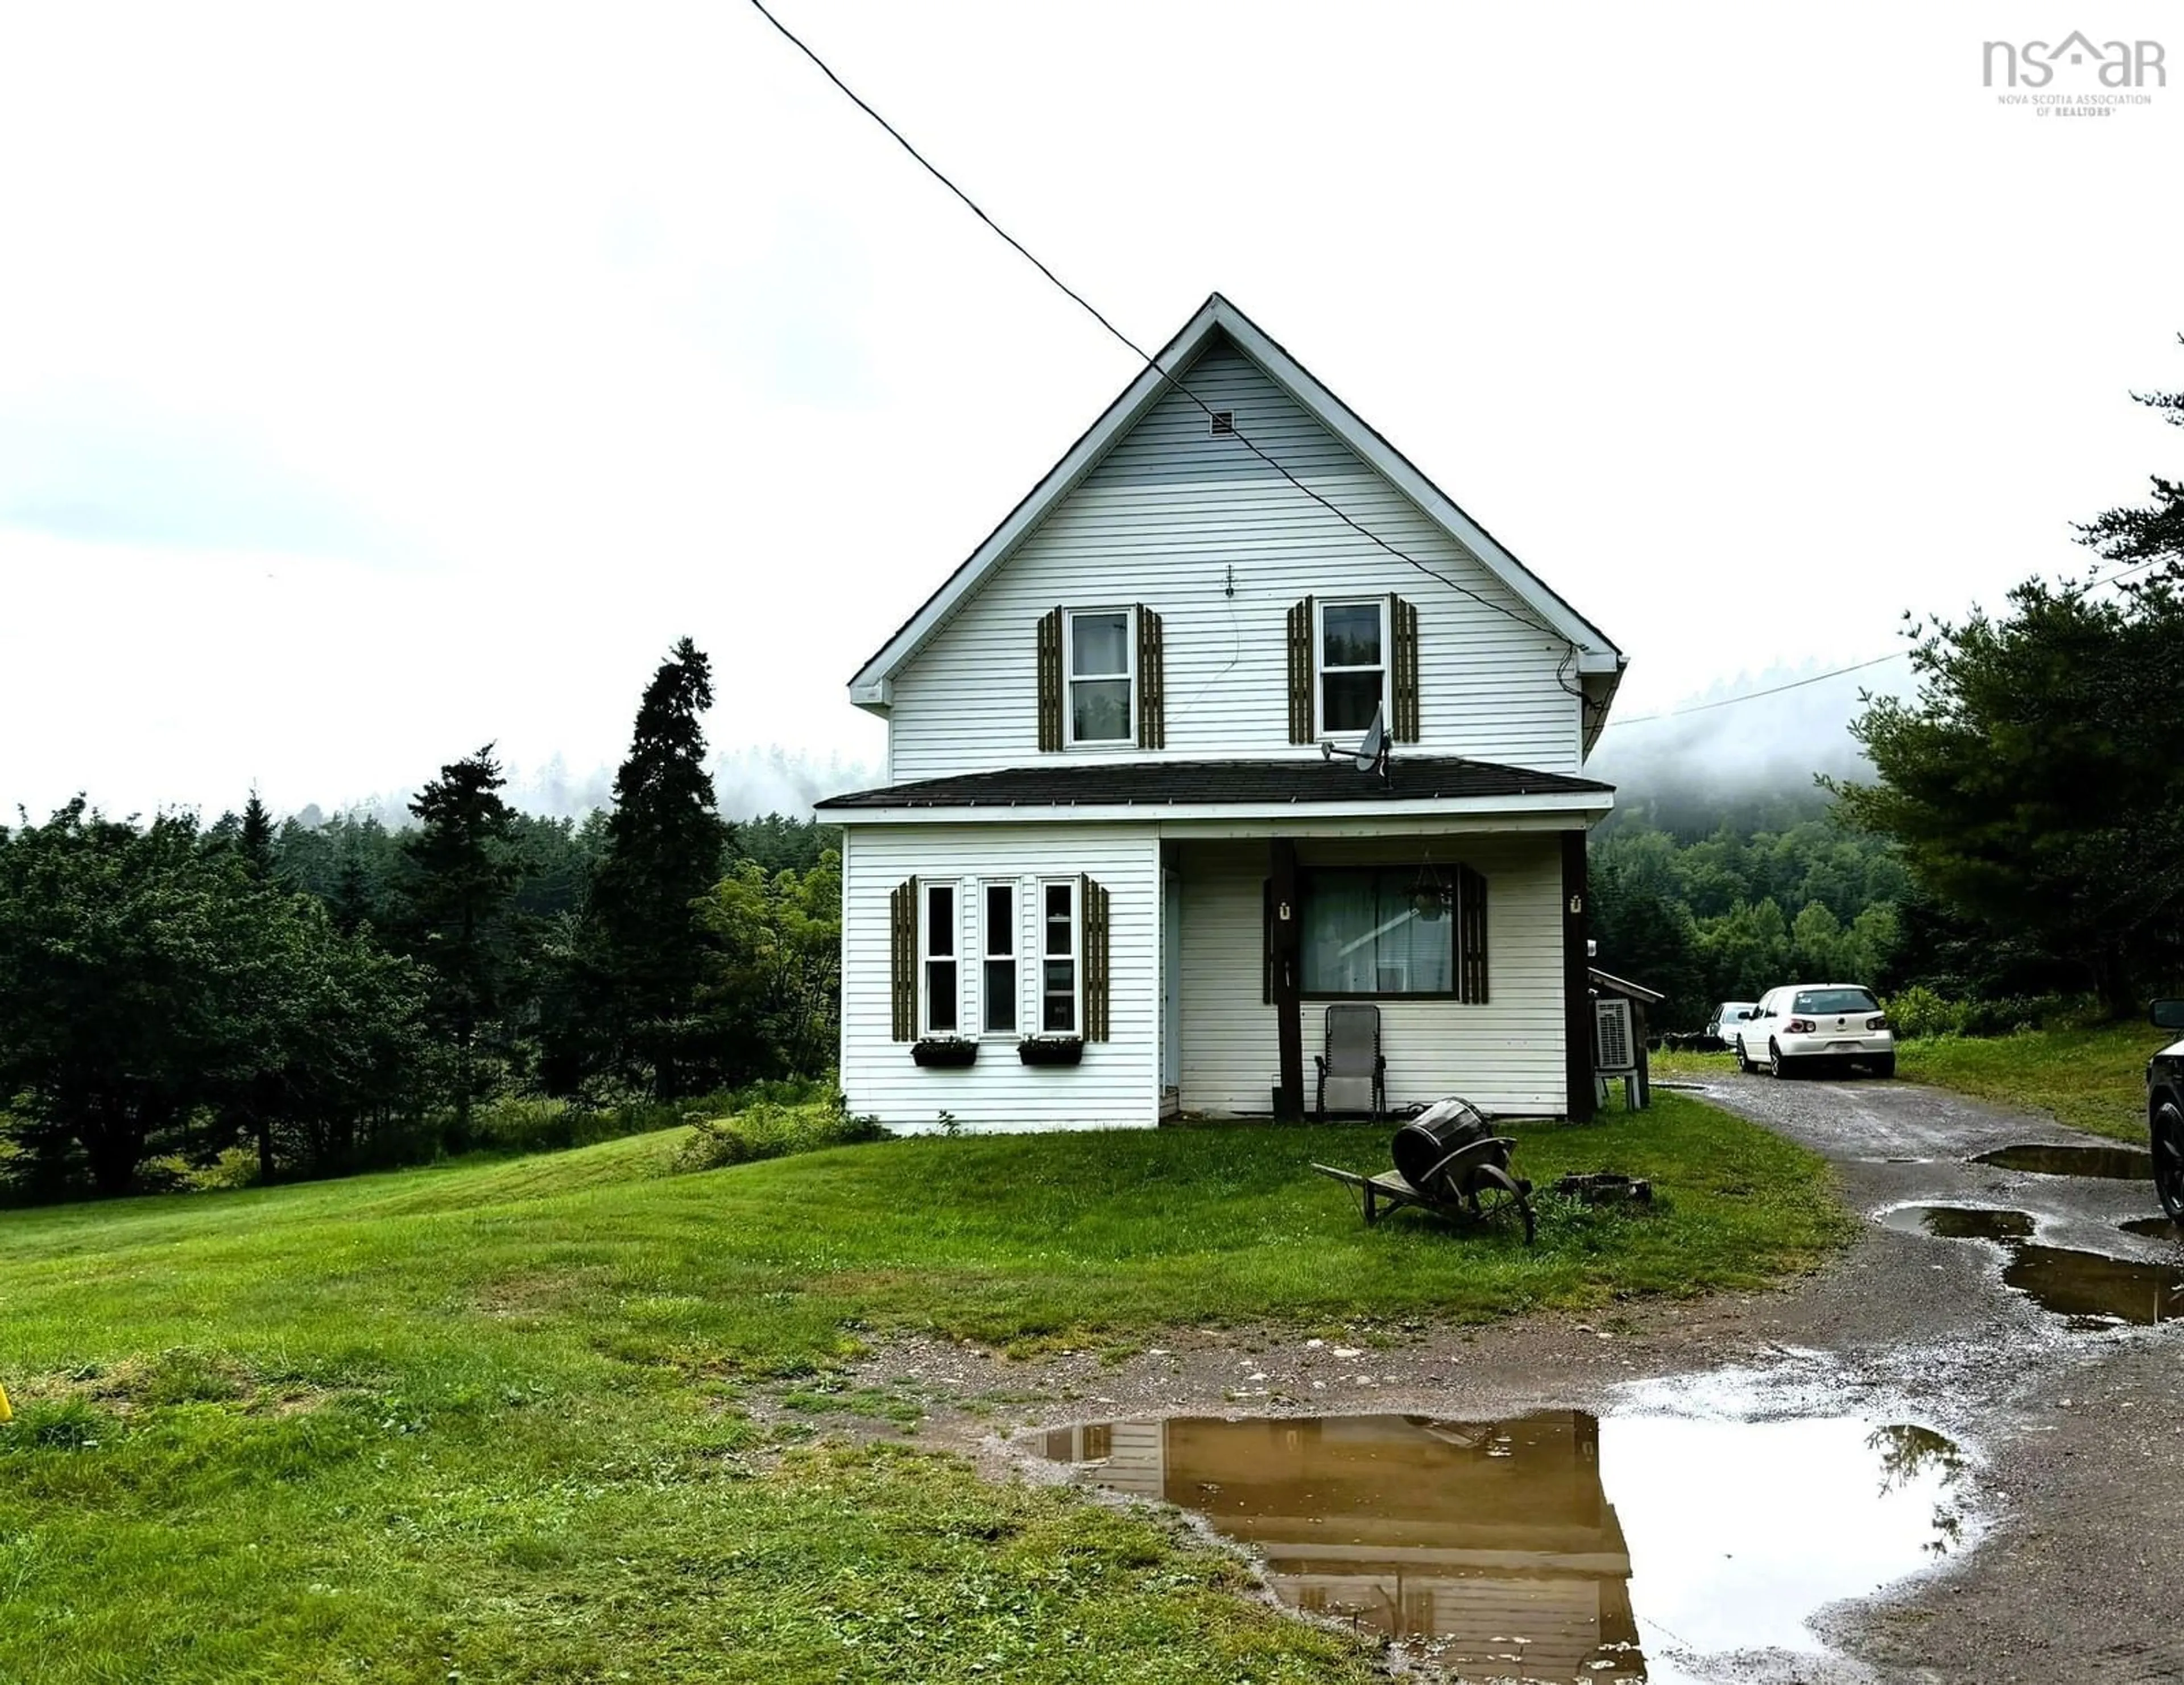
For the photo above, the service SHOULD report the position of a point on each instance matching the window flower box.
(1051, 1050)
(945, 1052)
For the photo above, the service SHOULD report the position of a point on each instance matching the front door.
(1171, 982)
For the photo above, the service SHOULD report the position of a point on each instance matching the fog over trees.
(749, 783)
(1711, 752)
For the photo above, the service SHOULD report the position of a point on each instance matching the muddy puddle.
(1554, 1546)
(2087, 1289)
(1960, 1222)
(2155, 1229)
(2114, 1163)
(2091, 1290)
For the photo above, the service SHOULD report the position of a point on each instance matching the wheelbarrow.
(1450, 1162)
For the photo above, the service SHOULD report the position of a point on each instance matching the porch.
(1463, 940)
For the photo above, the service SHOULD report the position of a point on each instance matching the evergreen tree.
(2136, 537)
(351, 905)
(457, 900)
(2035, 783)
(148, 981)
(644, 946)
(1646, 936)
(256, 840)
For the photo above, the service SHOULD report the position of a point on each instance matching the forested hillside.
(1710, 902)
(248, 1001)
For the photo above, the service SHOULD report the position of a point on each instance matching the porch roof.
(1160, 784)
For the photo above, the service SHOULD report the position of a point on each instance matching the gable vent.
(1221, 423)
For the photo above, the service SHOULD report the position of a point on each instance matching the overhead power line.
(2074, 591)
(1135, 350)
(1266, 456)
(2135, 567)
(1754, 695)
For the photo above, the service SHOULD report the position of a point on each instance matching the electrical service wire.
(1137, 350)
(1238, 433)
(2071, 595)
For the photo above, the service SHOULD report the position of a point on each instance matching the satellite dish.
(1375, 745)
(1371, 755)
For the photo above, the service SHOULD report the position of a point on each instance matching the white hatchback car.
(1805, 1023)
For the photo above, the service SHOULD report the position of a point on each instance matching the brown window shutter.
(1300, 672)
(902, 957)
(1093, 922)
(1404, 721)
(1470, 936)
(1152, 691)
(1050, 680)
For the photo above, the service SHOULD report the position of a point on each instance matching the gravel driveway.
(2081, 1576)
(2076, 1430)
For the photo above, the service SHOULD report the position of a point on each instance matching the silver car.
(1722, 1026)
(1804, 1024)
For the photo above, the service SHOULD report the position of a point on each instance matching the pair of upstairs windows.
(1101, 681)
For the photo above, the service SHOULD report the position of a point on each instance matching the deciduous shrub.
(1918, 1013)
(768, 1128)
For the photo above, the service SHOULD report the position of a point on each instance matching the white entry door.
(1171, 981)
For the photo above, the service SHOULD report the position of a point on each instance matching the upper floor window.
(1102, 674)
(1352, 681)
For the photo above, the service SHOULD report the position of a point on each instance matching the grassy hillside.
(2089, 1078)
(483, 1423)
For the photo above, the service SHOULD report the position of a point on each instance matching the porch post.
(1577, 985)
(1287, 940)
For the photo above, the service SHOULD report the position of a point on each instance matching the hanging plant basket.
(945, 1052)
(1051, 1050)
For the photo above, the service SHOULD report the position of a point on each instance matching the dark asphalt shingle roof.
(1169, 783)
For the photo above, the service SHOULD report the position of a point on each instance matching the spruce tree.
(256, 840)
(645, 946)
(2135, 538)
(458, 896)
(351, 903)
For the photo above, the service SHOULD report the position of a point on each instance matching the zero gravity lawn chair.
(1353, 1076)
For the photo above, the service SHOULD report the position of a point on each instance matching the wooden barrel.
(1433, 1135)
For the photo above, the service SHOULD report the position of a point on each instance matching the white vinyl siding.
(1118, 1082)
(1174, 517)
(1506, 1055)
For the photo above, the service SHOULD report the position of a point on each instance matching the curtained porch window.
(1371, 932)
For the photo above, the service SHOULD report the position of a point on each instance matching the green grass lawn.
(2091, 1078)
(2088, 1077)
(482, 1422)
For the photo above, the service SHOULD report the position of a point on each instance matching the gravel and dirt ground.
(2077, 1432)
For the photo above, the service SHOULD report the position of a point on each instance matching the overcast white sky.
(380, 380)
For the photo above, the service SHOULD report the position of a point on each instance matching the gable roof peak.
(1221, 315)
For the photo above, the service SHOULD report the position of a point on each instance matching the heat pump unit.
(1614, 1049)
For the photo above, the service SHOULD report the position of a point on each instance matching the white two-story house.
(1114, 873)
